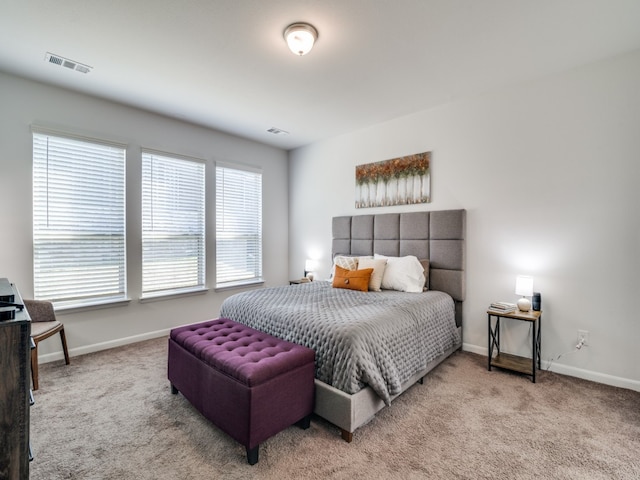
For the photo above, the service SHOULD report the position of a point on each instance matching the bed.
(370, 346)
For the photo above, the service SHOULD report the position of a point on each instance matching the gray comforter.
(378, 339)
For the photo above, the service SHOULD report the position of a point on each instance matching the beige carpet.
(110, 415)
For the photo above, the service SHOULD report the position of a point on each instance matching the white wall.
(548, 173)
(23, 103)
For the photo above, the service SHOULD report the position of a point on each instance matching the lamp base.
(524, 305)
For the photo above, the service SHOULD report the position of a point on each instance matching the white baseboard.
(571, 371)
(593, 376)
(467, 347)
(96, 347)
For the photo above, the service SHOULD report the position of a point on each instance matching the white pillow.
(404, 274)
(378, 271)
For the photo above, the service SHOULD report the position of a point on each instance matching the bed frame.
(438, 236)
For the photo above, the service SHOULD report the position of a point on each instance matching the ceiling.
(224, 63)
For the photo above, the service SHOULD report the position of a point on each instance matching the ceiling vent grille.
(277, 131)
(65, 62)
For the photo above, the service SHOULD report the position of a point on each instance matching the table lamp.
(524, 287)
(309, 266)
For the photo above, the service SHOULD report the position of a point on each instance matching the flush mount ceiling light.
(300, 37)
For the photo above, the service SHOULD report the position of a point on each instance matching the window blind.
(78, 221)
(173, 225)
(238, 226)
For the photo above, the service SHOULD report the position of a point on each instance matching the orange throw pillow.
(352, 279)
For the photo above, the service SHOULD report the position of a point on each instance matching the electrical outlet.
(583, 335)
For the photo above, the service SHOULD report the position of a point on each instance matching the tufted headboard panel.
(438, 236)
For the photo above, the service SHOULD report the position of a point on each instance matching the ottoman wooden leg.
(252, 455)
(305, 422)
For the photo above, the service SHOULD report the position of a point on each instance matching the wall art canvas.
(399, 181)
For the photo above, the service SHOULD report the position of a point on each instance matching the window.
(78, 221)
(173, 239)
(238, 226)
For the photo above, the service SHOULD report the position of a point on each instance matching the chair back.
(40, 310)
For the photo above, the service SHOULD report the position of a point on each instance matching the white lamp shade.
(309, 265)
(300, 37)
(524, 285)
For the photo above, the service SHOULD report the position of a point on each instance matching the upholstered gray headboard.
(438, 236)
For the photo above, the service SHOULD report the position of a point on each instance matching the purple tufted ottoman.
(249, 384)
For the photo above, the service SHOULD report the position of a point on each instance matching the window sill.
(158, 297)
(96, 305)
(236, 285)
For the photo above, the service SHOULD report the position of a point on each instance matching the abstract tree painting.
(399, 181)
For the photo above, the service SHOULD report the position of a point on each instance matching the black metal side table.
(508, 361)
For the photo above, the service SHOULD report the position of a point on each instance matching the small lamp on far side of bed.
(524, 287)
(309, 266)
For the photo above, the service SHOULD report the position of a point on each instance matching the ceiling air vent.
(277, 131)
(65, 62)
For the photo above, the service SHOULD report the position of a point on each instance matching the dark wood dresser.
(15, 383)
